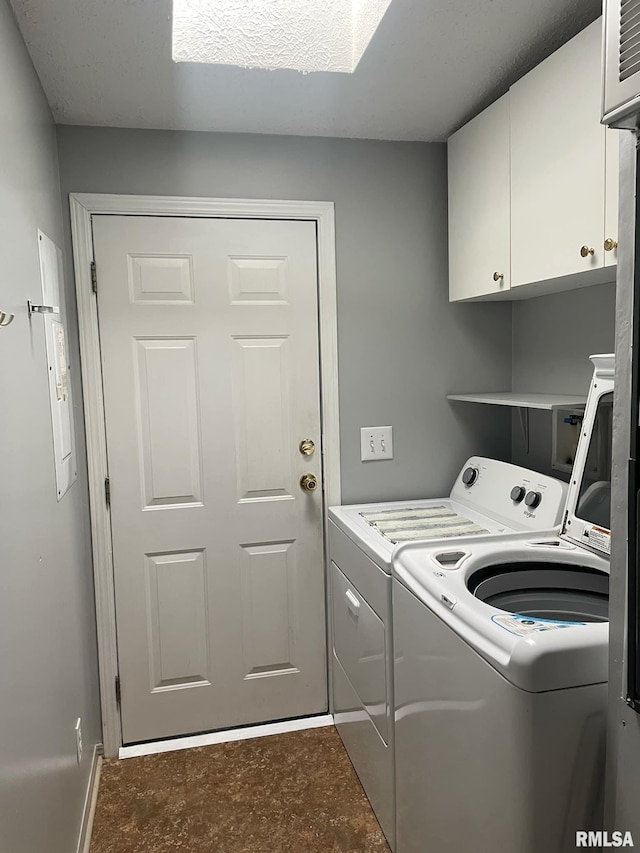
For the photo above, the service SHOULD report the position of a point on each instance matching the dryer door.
(359, 643)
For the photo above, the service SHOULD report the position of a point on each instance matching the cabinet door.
(479, 205)
(558, 164)
(612, 178)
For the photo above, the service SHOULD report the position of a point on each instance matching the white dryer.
(361, 543)
(501, 649)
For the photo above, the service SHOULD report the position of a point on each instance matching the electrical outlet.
(376, 443)
(79, 740)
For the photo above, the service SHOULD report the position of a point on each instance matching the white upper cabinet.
(533, 184)
(558, 164)
(479, 205)
(611, 197)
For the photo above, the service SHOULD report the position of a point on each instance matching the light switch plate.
(376, 443)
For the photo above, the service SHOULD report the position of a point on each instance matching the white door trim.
(83, 206)
(301, 724)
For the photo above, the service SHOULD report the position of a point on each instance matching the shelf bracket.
(524, 424)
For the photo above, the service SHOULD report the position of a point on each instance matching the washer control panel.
(517, 494)
(518, 497)
(533, 499)
(469, 476)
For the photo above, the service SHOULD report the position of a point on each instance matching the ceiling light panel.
(303, 35)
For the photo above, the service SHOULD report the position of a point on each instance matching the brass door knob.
(498, 276)
(309, 482)
(306, 447)
(585, 251)
(610, 244)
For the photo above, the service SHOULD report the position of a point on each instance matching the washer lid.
(587, 520)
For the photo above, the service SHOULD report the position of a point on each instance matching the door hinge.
(563, 528)
(118, 693)
(94, 277)
(107, 490)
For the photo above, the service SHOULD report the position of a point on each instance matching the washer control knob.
(518, 493)
(469, 476)
(533, 499)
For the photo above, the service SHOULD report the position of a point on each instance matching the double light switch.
(376, 443)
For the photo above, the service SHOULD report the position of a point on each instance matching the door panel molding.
(167, 405)
(179, 657)
(82, 207)
(267, 575)
(260, 373)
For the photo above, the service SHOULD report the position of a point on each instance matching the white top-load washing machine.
(489, 498)
(500, 673)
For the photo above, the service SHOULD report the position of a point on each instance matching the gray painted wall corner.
(48, 665)
(553, 337)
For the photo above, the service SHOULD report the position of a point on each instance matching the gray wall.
(553, 337)
(402, 346)
(48, 672)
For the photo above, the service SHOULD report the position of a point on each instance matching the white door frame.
(83, 206)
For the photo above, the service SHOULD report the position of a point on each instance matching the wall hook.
(6, 319)
(41, 309)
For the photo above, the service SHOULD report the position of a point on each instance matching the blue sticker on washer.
(522, 626)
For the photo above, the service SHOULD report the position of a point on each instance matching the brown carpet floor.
(290, 793)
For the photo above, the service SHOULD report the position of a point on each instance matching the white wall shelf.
(548, 402)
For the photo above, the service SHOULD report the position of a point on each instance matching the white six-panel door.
(209, 339)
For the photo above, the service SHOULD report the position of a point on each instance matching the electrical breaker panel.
(58, 364)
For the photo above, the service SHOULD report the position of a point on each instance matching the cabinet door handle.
(585, 251)
(352, 602)
(610, 244)
(498, 276)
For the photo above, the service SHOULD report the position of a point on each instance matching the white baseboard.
(228, 736)
(84, 839)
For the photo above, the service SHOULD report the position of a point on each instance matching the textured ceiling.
(431, 65)
(326, 35)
